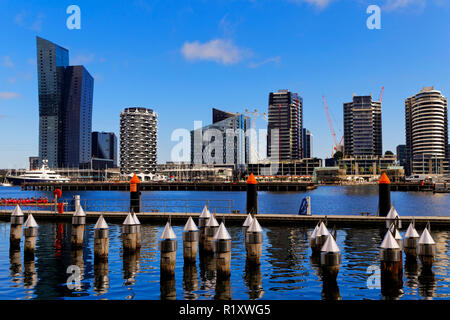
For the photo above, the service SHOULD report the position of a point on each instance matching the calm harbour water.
(286, 272)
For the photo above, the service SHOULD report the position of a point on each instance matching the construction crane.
(252, 115)
(381, 94)
(330, 122)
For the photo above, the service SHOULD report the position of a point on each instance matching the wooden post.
(222, 250)
(101, 240)
(78, 224)
(223, 289)
(202, 220)
(391, 267)
(330, 259)
(129, 231)
(138, 230)
(410, 243)
(426, 249)
(210, 230)
(15, 228)
(190, 241)
(30, 232)
(253, 241)
(321, 236)
(168, 250)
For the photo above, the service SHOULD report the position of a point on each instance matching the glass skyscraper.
(65, 107)
(52, 61)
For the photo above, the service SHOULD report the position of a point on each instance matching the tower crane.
(333, 134)
(381, 94)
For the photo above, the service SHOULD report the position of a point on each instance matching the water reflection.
(207, 272)
(427, 284)
(15, 262)
(223, 289)
(253, 281)
(190, 281)
(101, 278)
(131, 266)
(167, 287)
(330, 290)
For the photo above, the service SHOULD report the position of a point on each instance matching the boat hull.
(18, 181)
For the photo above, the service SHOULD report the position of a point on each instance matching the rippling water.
(287, 269)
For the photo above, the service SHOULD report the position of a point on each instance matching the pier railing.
(123, 205)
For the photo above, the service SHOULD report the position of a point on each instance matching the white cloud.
(317, 3)
(24, 20)
(392, 5)
(83, 59)
(219, 50)
(7, 62)
(275, 60)
(9, 95)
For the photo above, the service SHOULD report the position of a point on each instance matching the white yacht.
(44, 174)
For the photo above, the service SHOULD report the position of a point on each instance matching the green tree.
(338, 155)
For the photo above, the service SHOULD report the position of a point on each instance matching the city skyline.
(173, 66)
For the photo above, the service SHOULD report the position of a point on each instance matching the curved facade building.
(138, 135)
(426, 132)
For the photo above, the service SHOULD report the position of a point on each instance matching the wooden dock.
(441, 222)
(169, 186)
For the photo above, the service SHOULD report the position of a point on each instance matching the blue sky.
(182, 58)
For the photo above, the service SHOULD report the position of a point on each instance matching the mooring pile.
(168, 249)
(426, 248)
(190, 241)
(101, 239)
(253, 242)
(78, 224)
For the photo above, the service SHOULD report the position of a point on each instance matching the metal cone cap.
(389, 242)
(397, 234)
(322, 231)
(17, 211)
(129, 220)
(30, 223)
(254, 226)
(222, 233)
(101, 223)
(426, 237)
(168, 233)
(411, 232)
(212, 222)
(314, 233)
(248, 221)
(330, 245)
(136, 220)
(79, 212)
(205, 213)
(190, 225)
(392, 214)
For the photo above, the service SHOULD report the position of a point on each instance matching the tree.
(388, 153)
(338, 155)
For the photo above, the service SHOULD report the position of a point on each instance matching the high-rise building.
(104, 150)
(79, 89)
(307, 143)
(65, 107)
(227, 133)
(401, 154)
(286, 116)
(362, 127)
(34, 163)
(138, 138)
(52, 61)
(426, 126)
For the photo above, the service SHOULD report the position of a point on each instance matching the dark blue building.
(65, 107)
(104, 150)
